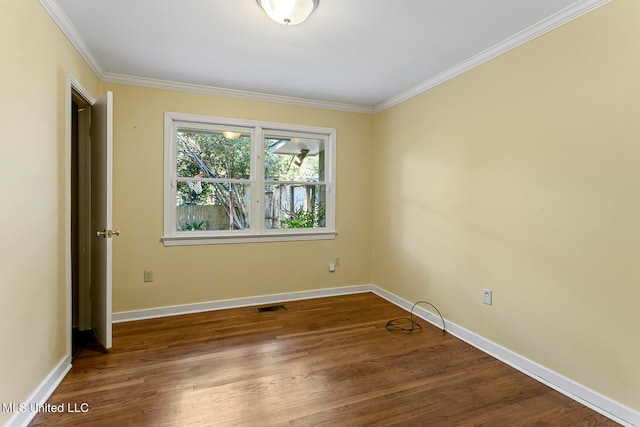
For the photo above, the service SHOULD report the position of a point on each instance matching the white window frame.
(257, 231)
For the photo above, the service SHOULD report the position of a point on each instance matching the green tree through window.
(232, 180)
(218, 166)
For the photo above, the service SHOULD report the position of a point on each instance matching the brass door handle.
(107, 233)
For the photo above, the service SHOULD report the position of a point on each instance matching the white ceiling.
(360, 53)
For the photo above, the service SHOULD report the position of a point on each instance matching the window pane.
(212, 206)
(213, 154)
(293, 159)
(295, 206)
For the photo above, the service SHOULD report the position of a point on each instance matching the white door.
(101, 220)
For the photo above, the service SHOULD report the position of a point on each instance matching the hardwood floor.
(321, 362)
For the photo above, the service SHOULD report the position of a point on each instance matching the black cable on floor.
(392, 325)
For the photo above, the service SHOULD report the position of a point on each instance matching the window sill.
(187, 240)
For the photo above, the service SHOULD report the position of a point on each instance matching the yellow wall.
(519, 176)
(36, 58)
(192, 274)
(522, 176)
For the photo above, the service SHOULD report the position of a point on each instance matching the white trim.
(234, 93)
(245, 238)
(419, 311)
(560, 18)
(598, 402)
(72, 84)
(75, 84)
(69, 30)
(602, 404)
(536, 30)
(40, 394)
(590, 398)
(223, 121)
(152, 313)
(257, 232)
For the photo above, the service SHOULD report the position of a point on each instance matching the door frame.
(73, 89)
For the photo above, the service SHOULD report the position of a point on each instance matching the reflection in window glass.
(232, 180)
(212, 154)
(293, 159)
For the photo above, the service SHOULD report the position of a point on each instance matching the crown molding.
(69, 30)
(232, 93)
(562, 17)
(536, 30)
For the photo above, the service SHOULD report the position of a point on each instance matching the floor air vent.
(271, 308)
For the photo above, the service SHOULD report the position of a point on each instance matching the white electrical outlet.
(487, 296)
(148, 276)
(332, 268)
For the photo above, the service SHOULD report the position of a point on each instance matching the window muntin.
(230, 180)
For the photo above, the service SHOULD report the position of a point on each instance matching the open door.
(101, 218)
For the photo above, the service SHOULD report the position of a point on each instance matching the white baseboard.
(590, 398)
(578, 392)
(151, 313)
(609, 408)
(40, 395)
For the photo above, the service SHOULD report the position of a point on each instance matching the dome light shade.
(231, 135)
(288, 12)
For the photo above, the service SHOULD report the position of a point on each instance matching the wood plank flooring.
(320, 362)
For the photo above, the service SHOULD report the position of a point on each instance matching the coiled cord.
(392, 325)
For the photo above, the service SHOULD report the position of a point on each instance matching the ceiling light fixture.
(288, 12)
(231, 135)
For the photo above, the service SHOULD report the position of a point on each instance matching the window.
(230, 180)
